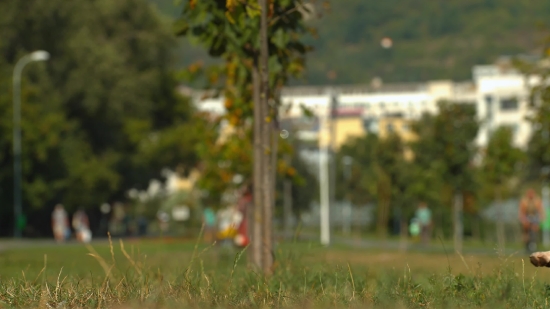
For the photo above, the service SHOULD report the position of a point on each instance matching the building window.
(405, 127)
(370, 125)
(389, 127)
(509, 104)
(489, 106)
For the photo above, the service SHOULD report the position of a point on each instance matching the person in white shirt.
(81, 225)
(60, 223)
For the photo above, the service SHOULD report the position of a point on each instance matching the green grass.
(160, 274)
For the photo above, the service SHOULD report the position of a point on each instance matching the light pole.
(324, 180)
(39, 55)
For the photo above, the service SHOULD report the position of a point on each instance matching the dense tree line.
(438, 39)
(102, 115)
(447, 170)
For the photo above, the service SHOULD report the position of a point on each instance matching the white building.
(410, 100)
(499, 93)
(503, 100)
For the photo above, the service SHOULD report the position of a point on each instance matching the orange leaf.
(230, 4)
(228, 103)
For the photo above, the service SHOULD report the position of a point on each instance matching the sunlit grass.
(157, 274)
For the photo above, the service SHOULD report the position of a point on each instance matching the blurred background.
(443, 105)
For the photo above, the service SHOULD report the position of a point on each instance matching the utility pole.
(332, 152)
(324, 177)
(325, 195)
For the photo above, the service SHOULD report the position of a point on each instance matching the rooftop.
(356, 89)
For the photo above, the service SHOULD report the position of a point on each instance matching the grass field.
(171, 274)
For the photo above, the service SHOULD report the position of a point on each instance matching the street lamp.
(324, 180)
(38, 55)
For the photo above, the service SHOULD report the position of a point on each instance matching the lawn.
(179, 274)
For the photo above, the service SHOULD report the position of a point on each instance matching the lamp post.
(39, 55)
(324, 157)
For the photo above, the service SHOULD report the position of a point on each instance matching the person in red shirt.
(242, 239)
(531, 214)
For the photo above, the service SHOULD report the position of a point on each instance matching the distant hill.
(432, 39)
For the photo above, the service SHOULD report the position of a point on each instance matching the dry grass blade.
(352, 282)
(111, 247)
(43, 268)
(464, 261)
(101, 261)
(57, 286)
(129, 258)
(194, 251)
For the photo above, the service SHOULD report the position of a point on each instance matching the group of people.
(421, 224)
(61, 227)
(229, 225)
(531, 215)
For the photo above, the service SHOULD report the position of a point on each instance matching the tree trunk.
(384, 188)
(404, 235)
(267, 221)
(476, 230)
(267, 257)
(501, 237)
(457, 218)
(383, 210)
(255, 252)
(346, 218)
(287, 204)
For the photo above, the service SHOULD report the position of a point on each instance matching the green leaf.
(253, 9)
(280, 38)
(180, 27)
(229, 17)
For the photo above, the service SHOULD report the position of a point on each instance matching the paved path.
(435, 247)
(10, 244)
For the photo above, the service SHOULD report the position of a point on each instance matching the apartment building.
(503, 100)
(499, 93)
